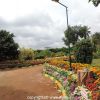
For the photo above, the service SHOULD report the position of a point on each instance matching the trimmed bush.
(84, 51)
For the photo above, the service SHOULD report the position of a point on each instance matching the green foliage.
(59, 54)
(26, 54)
(96, 63)
(8, 47)
(95, 2)
(96, 38)
(97, 54)
(96, 42)
(75, 33)
(83, 31)
(84, 51)
(38, 56)
(56, 50)
(70, 36)
(42, 54)
(52, 52)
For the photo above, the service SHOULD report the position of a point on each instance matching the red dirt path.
(20, 83)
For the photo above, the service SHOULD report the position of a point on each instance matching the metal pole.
(62, 4)
(67, 16)
(68, 31)
(68, 41)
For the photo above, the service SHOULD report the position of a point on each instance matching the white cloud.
(41, 23)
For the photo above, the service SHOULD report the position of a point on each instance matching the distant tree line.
(51, 52)
(82, 43)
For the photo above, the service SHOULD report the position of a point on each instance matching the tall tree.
(95, 2)
(74, 33)
(8, 47)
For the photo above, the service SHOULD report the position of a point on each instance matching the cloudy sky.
(41, 23)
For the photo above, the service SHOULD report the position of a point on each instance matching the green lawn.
(96, 62)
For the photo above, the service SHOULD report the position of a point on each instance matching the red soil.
(20, 83)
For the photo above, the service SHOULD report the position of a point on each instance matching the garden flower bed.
(69, 82)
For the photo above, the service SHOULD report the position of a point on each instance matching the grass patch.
(96, 63)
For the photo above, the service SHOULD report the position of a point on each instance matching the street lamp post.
(68, 31)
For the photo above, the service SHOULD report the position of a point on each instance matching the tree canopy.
(8, 47)
(96, 38)
(74, 33)
(95, 2)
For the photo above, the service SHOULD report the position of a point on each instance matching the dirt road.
(19, 84)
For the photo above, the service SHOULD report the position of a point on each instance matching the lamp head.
(56, 0)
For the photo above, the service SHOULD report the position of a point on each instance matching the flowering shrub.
(92, 83)
(95, 95)
(93, 86)
(65, 64)
(66, 78)
(68, 82)
(95, 70)
(59, 62)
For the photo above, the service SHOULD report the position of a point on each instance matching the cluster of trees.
(79, 38)
(10, 50)
(51, 52)
(29, 54)
(75, 36)
(84, 44)
(96, 36)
